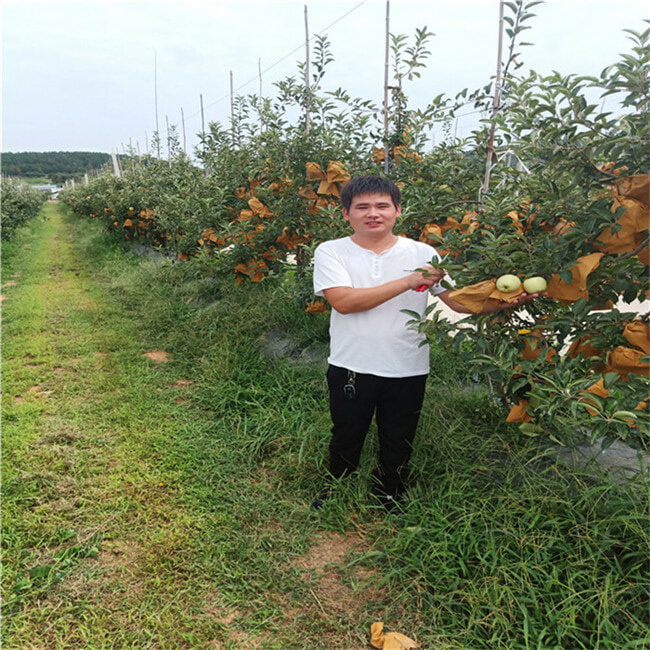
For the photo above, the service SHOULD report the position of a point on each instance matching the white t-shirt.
(377, 341)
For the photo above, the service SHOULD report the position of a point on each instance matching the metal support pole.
(307, 76)
(496, 104)
(386, 68)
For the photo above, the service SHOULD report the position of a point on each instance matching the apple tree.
(574, 363)
(20, 204)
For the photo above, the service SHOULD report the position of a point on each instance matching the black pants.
(397, 403)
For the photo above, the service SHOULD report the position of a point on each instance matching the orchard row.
(565, 197)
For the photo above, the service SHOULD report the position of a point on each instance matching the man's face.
(372, 214)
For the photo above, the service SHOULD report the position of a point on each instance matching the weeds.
(165, 505)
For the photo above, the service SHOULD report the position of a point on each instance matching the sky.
(88, 75)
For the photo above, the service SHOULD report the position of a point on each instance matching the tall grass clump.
(504, 547)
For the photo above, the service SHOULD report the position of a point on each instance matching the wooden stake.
(117, 172)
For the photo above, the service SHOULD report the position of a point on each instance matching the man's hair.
(369, 185)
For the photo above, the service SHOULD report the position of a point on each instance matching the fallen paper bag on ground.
(390, 640)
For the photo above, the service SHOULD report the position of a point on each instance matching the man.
(377, 365)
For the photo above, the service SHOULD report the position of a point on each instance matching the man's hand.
(425, 278)
(521, 299)
(348, 300)
(461, 309)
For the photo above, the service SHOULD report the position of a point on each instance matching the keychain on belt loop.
(349, 389)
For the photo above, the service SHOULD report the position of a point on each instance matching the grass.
(37, 180)
(165, 505)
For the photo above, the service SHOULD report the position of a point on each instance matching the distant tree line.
(57, 166)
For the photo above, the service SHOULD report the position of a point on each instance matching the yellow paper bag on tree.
(635, 187)
(314, 172)
(627, 360)
(638, 334)
(570, 292)
(337, 173)
(596, 389)
(630, 226)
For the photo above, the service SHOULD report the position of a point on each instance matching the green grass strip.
(163, 502)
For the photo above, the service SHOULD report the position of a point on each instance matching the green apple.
(508, 283)
(536, 284)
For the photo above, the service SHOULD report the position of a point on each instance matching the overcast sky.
(80, 75)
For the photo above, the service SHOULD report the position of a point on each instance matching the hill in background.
(56, 166)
